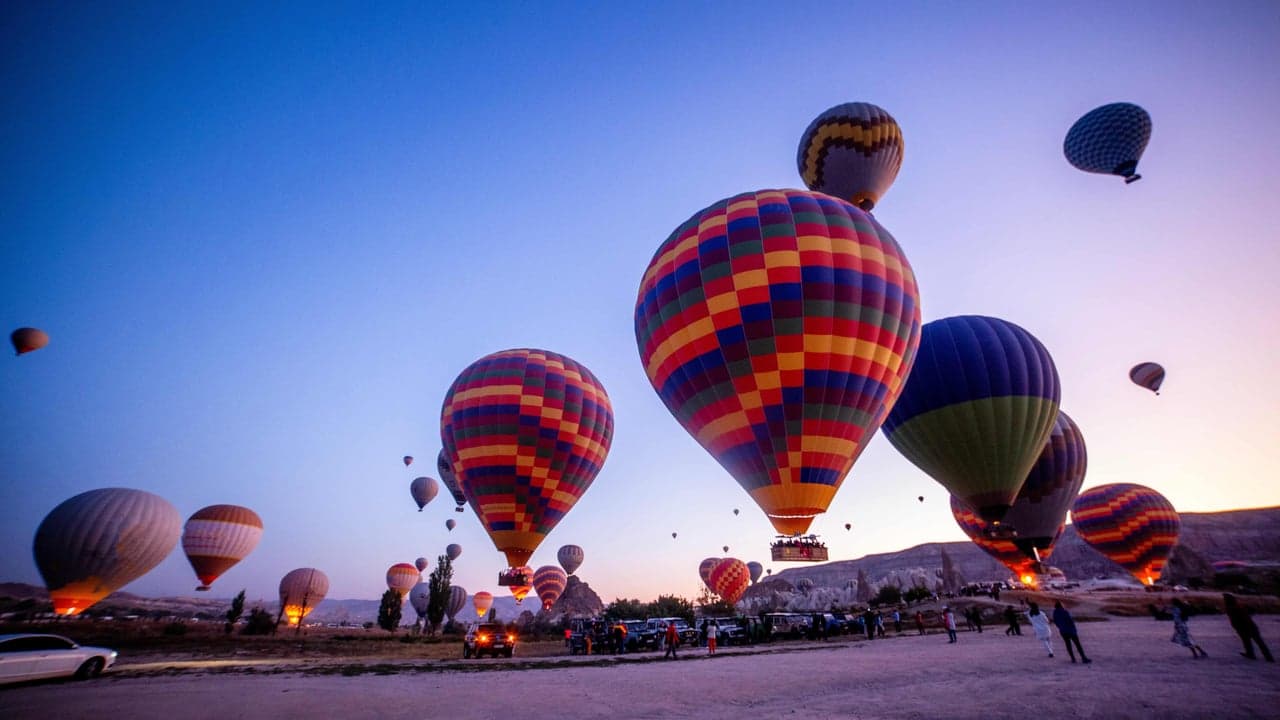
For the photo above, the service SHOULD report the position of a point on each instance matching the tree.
(625, 609)
(237, 609)
(917, 594)
(671, 606)
(438, 600)
(713, 604)
(389, 611)
(888, 595)
(260, 623)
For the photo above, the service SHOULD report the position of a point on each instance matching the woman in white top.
(711, 638)
(1040, 624)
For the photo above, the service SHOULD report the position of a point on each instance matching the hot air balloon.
(673, 536)
(977, 409)
(570, 558)
(1148, 375)
(482, 602)
(1000, 548)
(453, 550)
(457, 601)
(421, 563)
(401, 577)
(526, 432)
(520, 591)
(735, 511)
(99, 541)
(450, 524)
(549, 581)
(848, 526)
(28, 339)
(920, 498)
(704, 569)
(408, 460)
(778, 326)
(852, 151)
(769, 571)
(420, 598)
(725, 548)
(1109, 140)
(729, 579)
(217, 537)
(755, 569)
(450, 481)
(804, 585)
(301, 591)
(423, 490)
(1040, 510)
(1134, 526)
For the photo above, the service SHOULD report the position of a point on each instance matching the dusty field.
(1136, 673)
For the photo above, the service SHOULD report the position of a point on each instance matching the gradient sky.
(265, 240)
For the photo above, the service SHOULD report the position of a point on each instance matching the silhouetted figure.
(920, 622)
(1245, 627)
(1181, 633)
(1011, 617)
(897, 622)
(869, 623)
(1067, 629)
(977, 619)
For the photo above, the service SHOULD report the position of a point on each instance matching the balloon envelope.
(1148, 375)
(526, 431)
(217, 537)
(977, 409)
(99, 541)
(755, 569)
(450, 480)
(408, 460)
(482, 602)
(401, 577)
(729, 579)
(520, 591)
(450, 524)
(28, 339)
(570, 558)
(1133, 525)
(1040, 510)
(423, 490)
(1109, 140)
(1002, 549)
(549, 581)
(421, 563)
(420, 598)
(852, 151)
(704, 569)
(301, 591)
(777, 327)
(457, 601)
(453, 551)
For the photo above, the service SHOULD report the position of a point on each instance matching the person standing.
(1067, 629)
(702, 634)
(1012, 618)
(879, 624)
(619, 639)
(968, 619)
(977, 619)
(897, 622)
(1040, 624)
(711, 637)
(1245, 627)
(672, 639)
(869, 624)
(1182, 633)
(949, 623)
(920, 622)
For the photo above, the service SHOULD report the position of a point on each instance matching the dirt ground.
(1136, 673)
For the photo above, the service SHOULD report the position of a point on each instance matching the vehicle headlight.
(511, 638)
(114, 654)
(483, 638)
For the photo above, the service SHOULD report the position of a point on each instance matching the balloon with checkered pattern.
(729, 579)
(1109, 140)
(1133, 525)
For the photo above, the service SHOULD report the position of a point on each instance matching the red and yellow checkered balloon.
(729, 579)
(526, 432)
(778, 327)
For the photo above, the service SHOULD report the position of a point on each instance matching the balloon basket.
(511, 578)
(799, 549)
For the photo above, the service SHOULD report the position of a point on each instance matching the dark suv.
(640, 636)
(491, 638)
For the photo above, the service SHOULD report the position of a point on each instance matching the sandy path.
(1137, 673)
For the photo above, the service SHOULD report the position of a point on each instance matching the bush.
(888, 595)
(260, 623)
(175, 628)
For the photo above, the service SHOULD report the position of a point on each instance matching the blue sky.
(265, 240)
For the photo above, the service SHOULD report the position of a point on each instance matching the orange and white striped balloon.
(482, 602)
(401, 577)
(217, 537)
(301, 591)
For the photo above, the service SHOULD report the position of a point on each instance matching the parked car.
(491, 638)
(34, 657)
(688, 634)
(640, 636)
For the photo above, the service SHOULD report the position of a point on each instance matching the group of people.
(1241, 621)
(1041, 624)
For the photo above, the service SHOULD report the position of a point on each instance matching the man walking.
(1245, 627)
(1067, 629)
(672, 639)
(1011, 617)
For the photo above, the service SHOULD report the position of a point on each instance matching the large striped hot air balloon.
(570, 558)
(520, 591)
(401, 578)
(27, 339)
(549, 582)
(1000, 548)
(1109, 140)
(526, 431)
(778, 326)
(217, 537)
(99, 541)
(977, 409)
(457, 601)
(729, 579)
(1148, 375)
(852, 151)
(450, 481)
(704, 569)
(756, 569)
(423, 490)
(1040, 510)
(301, 591)
(482, 601)
(1134, 526)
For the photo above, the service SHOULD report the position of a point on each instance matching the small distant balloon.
(451, 523)
(27, 339)
(725, 548)
(848, 526)
(920, 498)
(735, 511)
(769, 571)
(421, 564)
(408, 460)
(453, 551)
(1148, 375)
(423, 490)
(673, 536)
